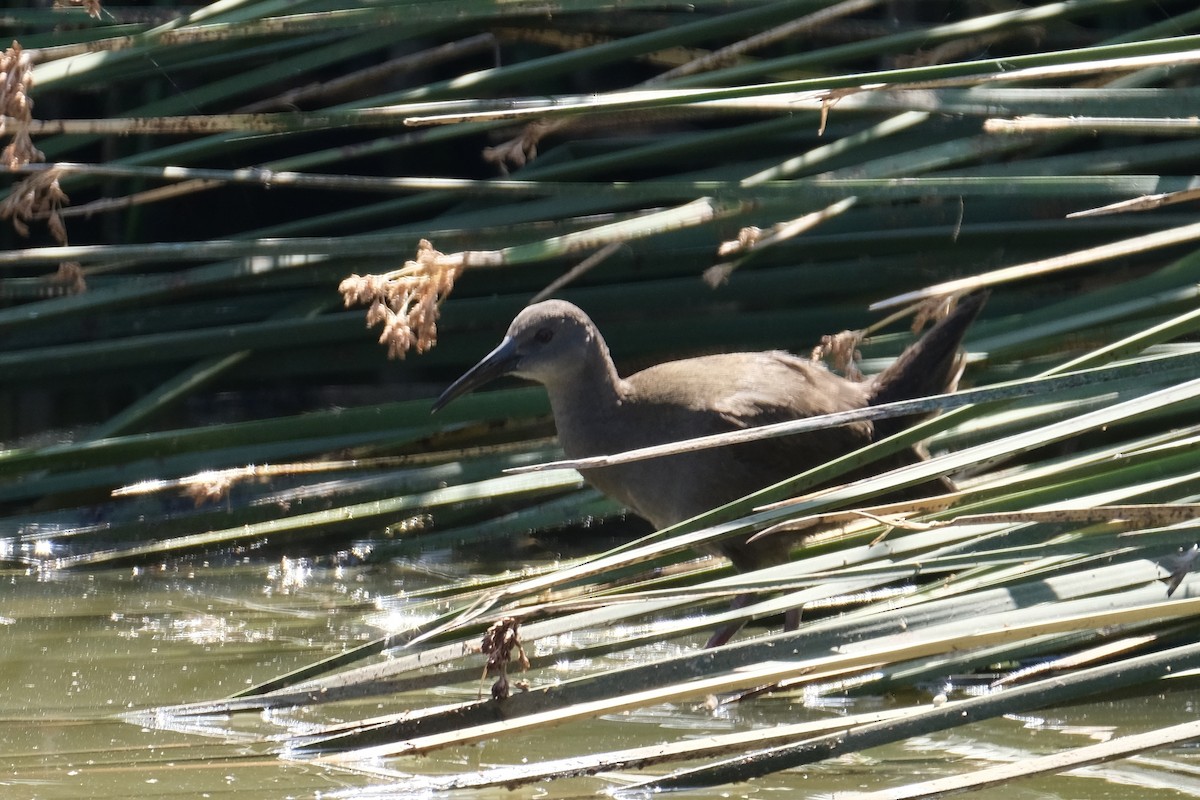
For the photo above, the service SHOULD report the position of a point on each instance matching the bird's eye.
(544, 335)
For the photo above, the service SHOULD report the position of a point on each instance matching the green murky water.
(81, 652)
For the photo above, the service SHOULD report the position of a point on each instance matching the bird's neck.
(584, 397)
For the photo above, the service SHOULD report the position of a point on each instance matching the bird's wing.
(745, 390)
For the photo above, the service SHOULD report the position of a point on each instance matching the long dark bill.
(495, 364)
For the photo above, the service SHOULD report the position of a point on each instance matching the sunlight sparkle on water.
(289, 575)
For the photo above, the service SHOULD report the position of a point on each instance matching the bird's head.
(547, 342)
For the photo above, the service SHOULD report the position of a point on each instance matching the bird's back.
(694, 397)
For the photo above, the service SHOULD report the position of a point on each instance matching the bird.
(598, 412)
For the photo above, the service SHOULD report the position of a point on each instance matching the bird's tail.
(932, 365)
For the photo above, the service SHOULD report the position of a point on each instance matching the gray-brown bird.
(597, 412)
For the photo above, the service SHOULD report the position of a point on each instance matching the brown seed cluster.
(38, 196)
(16, 78)
(841, 349)
(92, 7)
(498, 645)
(934, 309)
(406, 301)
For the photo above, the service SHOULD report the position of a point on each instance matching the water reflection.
(89, 657)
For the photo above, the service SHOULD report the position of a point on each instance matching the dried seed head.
(39, 195)
(932, 310)
(746, 239)
(16, 78)
(92, 7)
(841, 349)
(406, 301)
(69, 278)
(498, 643)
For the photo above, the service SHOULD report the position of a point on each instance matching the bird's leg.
(791, 621)
(726, 632)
